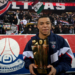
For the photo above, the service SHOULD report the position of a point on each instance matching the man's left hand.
(53, 70)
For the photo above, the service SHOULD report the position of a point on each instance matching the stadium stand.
(61, 23)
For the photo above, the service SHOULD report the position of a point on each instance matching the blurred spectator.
(30, 31)
(60, 29)
(53, 29)
(71, 30)
(65, 30)
(35, 29)
(56, 29)
(30, 16)
(55, 21)
(2, 31)
(27, 15)
(30, 26)
(24, 29)
(21, 27)
(15, 20)
(24, 21)
(17, 14)
(6, 19)
(20, 15)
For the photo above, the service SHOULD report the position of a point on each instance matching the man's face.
(15, 17)
(44, 25)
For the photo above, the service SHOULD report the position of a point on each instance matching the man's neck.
(41, 36)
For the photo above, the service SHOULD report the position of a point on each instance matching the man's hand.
(31, 66)
(53, 70)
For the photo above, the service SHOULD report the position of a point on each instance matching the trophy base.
(42, 71)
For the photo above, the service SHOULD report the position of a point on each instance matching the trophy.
(40, 50)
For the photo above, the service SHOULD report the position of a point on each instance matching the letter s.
(60, 6)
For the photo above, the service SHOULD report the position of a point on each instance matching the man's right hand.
(31, 66)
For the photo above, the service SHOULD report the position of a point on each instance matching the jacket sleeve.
(65, 57)
(28, 55)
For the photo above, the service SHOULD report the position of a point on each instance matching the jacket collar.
(49, 37)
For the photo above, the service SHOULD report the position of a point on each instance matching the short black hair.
(44, 16)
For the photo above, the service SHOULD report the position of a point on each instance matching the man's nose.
(45, 25)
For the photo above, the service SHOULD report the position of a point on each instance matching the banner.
(47, 5)
(11, 58)
(4, 6)
(11, 50)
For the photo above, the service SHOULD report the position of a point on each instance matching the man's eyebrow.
(41, 22)
(46, 21)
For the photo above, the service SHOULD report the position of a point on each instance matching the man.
(60, 56)
(24, 21)
(15, 20)
(35, 29)
(30, 31)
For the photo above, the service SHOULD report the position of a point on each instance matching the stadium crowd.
(63, 23)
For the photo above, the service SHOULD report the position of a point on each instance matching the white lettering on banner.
(48, 5)
(14, 6)
(60, 7)
(12, 67)
(26, 5)
(73, 61)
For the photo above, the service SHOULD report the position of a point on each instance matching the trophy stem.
(40, 51)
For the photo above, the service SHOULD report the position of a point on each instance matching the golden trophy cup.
(40, 50)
